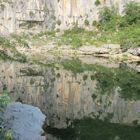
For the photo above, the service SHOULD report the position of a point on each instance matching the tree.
(132, 13)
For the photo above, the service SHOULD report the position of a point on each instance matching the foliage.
(20, 39)
(97, 2)
(76, 37)
(111, 28)
(4, 56)
(44, 33)
(43, 37)
(72, 37)
(74, 65)
(8, 50)
(131, 13)
(108, 19)
(5, 134)
(5, 42)
(4, 100)
(129, 36)
(86, 22)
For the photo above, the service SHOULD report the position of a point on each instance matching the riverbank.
(109, 51)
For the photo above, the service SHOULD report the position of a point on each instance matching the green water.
(90, 129)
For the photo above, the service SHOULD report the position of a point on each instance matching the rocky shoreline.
(110, 51)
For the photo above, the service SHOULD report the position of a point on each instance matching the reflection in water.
(89, 129)
(69, 89)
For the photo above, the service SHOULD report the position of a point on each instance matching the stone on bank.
(25, 121)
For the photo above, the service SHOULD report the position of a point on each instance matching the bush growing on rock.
(97, 2)
(131, 14)
(108, 18)
(86, 22)
(5, 134)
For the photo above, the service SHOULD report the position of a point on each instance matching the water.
(83, 98)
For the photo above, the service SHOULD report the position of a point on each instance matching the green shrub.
(132, 13)
(108, 18)
(20, 39)
(5, 134)
(72, 37)
(130, 36)
(4, 100)
(6, 43)
(86, 22)
(97, 2)
(95, 23)
(76, 42)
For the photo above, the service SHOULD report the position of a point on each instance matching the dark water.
(86, 98)
(94, 129)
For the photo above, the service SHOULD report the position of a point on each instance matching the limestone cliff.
(17, 15)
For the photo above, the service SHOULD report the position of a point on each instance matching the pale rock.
(25, 121)
(37, 15)
(134, 51)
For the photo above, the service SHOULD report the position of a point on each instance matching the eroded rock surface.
(134, 51)
(104, 49)
(18, 15)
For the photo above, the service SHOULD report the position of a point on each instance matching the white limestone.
(25, 121)
(18, 15)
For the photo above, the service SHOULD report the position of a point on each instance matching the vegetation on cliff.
(111, 28)
(8, 50)
(5, 134)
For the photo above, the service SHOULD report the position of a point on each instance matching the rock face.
(18, 15)
(25, 121)
(104, 49)
(134, 51)
(64, 96)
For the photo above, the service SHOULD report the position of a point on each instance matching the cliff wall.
(18, 15)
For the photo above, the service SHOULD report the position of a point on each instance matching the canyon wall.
(18, 15)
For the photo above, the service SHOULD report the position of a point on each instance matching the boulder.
(134, 51)
(25, 121)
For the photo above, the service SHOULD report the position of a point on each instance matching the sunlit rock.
(25, 121)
